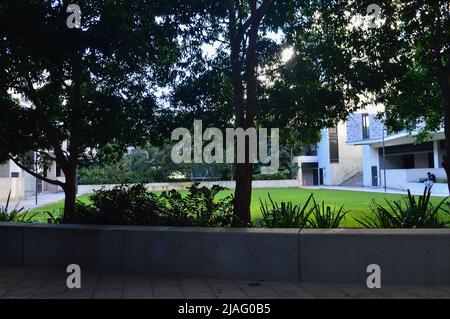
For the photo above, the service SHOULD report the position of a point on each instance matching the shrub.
(133, 205)
(19, 215)
(285, 215)
(419, 213)
(325, 217)
(275, 176)
(198, 208)
(122, 205)
(54, 217)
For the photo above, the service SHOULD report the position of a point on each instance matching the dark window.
(15, 174)
(315, 177)
(318, 176)
(334, 146)
(374, 175)
(58, 171)
(431, 160)
(408, 161)
(365, 126)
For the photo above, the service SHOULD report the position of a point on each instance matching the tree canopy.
(90, 86)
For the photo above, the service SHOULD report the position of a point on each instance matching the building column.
(436, 155)
(300, 174)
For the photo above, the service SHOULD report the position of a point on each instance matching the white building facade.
(21, 184)
(395, 159)
(332, 161)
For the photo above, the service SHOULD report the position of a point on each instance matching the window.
(365, 126)
(15, 174)
(334, 145)
(58, 171)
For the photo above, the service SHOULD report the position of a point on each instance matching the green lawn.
(357, 202)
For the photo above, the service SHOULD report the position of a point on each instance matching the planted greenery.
(199, 207)
(324, 216)
(18, 215)
(122, 205)
(285, 214)
(133, 205)
(411, 212)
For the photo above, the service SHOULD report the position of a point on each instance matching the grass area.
(357, 202)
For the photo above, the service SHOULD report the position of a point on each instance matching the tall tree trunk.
(243, 193)
(244, 115)
(70, 191)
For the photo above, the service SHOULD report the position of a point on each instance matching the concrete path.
(44, 283)
(369, 190)
(43, 199)
(30, 201)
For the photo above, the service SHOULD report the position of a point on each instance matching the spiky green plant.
(285, 215)
(324, 217)
(407, 213)
(19, 215)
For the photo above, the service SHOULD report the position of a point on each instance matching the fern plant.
(409, 213)
(285, 214)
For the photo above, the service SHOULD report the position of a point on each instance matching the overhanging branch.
(45, 179)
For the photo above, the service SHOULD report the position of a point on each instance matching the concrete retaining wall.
(153, 187)
(341, 255)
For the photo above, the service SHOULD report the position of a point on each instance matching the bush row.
(133, 205)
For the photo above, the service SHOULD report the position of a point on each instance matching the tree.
(408, 60)
(89, 86)
(313, 91)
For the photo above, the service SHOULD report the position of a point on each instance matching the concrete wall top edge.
(291, 231)
(375, 232)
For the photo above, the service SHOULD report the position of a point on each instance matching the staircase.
(354, 181)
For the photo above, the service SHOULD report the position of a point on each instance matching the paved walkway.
(369, 190)
(43, 199)
(44, 283)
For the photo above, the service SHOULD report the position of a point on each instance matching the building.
(11, 179)
(331, 161)
(22, 185)
(394, 159)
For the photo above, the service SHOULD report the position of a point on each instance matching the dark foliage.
(420, 213)
(134, 205)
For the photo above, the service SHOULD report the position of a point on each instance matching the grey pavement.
(50, 283)
(369, 190)
(43, 199)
